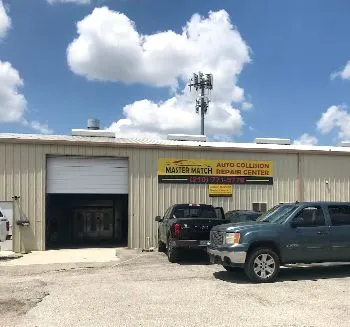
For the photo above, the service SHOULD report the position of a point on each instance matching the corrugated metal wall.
(325, 177)
(23, 167)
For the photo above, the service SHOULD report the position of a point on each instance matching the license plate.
(203, 242)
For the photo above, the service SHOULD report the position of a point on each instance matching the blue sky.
(272, 63)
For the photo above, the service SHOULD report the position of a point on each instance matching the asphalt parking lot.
(143, 289)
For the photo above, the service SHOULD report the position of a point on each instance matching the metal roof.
(145, 142)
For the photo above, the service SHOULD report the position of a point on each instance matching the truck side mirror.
(158, 218)
(297, 222)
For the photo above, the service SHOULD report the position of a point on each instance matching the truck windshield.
(278, 214)
(195, 212)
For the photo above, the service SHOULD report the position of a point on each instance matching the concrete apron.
(98, 255)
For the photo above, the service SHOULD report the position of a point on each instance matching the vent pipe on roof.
(185, 137)
(261, 140)
(93, 124)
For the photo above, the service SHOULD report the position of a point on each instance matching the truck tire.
(161, 246)
(262, 265)
(172, 252)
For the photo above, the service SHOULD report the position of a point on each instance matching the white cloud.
(5, 21)
(109, 48)
(237, 94)
(343, 73)
(247, 105)
(335, 117)
(149, 119)
(79, 2)
(12, 103)
(37, 126)
(306, 139)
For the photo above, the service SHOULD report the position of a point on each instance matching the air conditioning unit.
(93, 133)
(344, 144)
(185, 137)
(262, 140)
(93, 130)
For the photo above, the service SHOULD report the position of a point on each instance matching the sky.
(280, 68)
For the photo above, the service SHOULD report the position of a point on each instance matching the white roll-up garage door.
(80, 175)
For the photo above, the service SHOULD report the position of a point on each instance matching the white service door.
(87, 175)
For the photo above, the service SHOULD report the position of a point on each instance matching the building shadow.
(293, 273)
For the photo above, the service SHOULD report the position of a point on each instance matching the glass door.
(105, 219)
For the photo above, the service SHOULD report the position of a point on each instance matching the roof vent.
(93, 124)
(185, 137)
(92, 133)
(273, 141)
(93, 130)
(344, 144)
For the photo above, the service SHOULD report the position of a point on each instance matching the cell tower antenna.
(201, 83)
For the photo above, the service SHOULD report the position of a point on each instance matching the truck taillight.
(176, 229)
(8, 226)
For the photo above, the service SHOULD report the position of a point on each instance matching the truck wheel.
(161, 246)
(172, 253)
(233, 269)
(262, 265)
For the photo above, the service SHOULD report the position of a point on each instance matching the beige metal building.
(71, 189)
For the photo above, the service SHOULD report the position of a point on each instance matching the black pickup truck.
(187, 226)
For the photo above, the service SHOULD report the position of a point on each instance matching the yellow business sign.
(200, 171)
(220, 190)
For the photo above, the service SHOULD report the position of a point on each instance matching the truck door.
(340, 231)
(308, 239)
(164, 224)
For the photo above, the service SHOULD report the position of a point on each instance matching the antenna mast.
(201, 82)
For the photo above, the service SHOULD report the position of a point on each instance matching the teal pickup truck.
(301, 232)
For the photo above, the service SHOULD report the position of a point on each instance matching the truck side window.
(311, 217)
(340, 215)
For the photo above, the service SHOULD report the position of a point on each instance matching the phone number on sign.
(216, 180)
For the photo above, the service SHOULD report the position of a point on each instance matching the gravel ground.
(6, 245)
(143, 289)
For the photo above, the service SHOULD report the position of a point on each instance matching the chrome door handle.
(322, 233)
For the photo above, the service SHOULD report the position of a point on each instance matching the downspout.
(23, 224)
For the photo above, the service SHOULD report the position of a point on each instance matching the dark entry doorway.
(86, 220)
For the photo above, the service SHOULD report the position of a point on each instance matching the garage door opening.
(78, 220)
(86, 201)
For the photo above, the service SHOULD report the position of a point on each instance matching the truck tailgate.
(197, 228)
